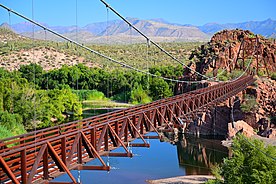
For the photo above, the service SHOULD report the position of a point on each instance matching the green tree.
(139, 96)
(33, 73)
(10, 124)
(159, 88)
(251, 162)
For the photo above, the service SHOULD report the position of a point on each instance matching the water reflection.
(173, 156)
(97, 111)
(198, 155)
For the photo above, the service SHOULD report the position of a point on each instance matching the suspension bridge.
(41, 155)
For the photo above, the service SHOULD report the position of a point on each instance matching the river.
(184, 155)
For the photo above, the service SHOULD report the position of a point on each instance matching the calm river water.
(185, 155)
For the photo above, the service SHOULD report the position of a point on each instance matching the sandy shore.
(191, 179)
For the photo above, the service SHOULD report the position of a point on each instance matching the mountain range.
(117, 31)
(266, 28)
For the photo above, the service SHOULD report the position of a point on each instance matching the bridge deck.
(38, 156)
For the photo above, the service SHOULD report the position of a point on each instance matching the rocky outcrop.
(255, 107)
(230, 50)
(240, 126)
(266, 97)
(228, 54)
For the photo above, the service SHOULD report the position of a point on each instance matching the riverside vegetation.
(42, 83)
(61, 76)
(251, 162)
(65, 79)
(33, 98)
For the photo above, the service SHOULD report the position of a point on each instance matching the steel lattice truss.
(37, 157)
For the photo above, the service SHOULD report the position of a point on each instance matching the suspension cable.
(12, 82)
(77, 74)
(153, 42)
(107, 42)
(34, 77)
(91, 50)
(148, 58)
(47, 75)
(104, 56)
(163, 50)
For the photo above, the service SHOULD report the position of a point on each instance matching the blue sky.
(195, 12)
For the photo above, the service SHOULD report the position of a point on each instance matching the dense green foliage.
(33, 98)
(23, 107)
(121, 85)
(10, 124)
(251, 163)
(138, 95)
(224, 75)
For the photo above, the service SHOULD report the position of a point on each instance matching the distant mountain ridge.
(266, 28)
(158, 29)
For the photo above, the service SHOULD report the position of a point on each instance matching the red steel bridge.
(40, 156)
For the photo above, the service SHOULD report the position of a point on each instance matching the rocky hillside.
(48, 58)
(231, 50)
(256, 106)
(16, 50)
(7, 35)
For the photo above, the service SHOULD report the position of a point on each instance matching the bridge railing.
(40, 135)
(39, 155)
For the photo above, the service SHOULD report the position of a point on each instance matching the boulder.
(241, 127)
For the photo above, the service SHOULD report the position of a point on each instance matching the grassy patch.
(273, 76)
(250, 104)
(90, 104)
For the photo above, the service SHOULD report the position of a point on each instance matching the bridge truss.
(38, 157)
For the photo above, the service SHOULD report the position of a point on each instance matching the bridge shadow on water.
(198, 155)
(172, 156)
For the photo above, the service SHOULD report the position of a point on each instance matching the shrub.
(10, 124)
(273, 76)
(222, 75)
(250, 104)
(96, 95)
(235, 73)
(251, 162)
(121, 97)
(139, 96)
(261, 73)
(4, 132)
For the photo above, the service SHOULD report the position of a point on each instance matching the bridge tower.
(252, 48)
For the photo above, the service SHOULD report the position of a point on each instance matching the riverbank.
(267, 141)
(197, 179)
(190, 179)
